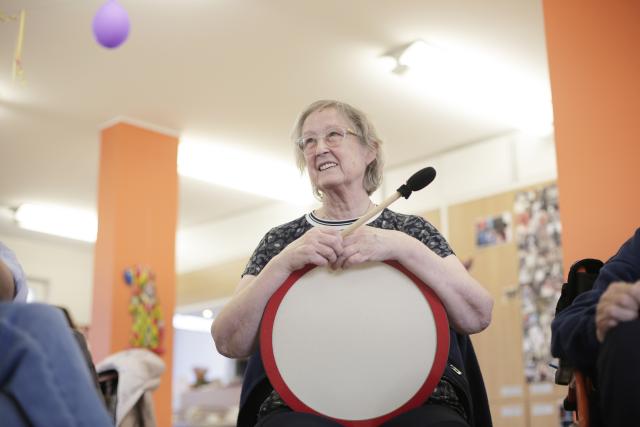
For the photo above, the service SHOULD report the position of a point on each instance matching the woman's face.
(338, 167)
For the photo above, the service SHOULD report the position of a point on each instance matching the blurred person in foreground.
(598, 334)
(13, 286)
(45, 379)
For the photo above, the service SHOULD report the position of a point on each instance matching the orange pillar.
(137, 210)
(594, 65)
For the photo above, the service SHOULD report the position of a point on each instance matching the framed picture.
(493, 230)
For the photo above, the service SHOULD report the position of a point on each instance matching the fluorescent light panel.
(242, 170)
(58, 220)
(217, 164)
(187, 322)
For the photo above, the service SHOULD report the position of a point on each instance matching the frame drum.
(359, 346)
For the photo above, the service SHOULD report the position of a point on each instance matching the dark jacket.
(574, 328)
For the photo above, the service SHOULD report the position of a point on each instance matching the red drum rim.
(437, 368)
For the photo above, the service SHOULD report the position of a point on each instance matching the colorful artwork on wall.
(493, 230)
(537, 233)
(144, 307)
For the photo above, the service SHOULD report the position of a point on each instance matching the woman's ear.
(371, 155)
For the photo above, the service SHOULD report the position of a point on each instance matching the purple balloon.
(111, 25)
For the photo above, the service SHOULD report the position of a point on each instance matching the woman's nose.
(321, 145)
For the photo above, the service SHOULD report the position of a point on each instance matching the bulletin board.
(496, 265)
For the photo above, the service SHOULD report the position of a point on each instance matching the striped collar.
(315, 221)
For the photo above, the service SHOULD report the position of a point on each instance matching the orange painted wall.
(594, 63)
(137, 210)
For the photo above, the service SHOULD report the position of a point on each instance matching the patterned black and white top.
(279, 237)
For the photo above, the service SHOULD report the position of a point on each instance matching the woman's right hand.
(319, 246)
(235, 330)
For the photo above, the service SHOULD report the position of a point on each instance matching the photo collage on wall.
(537, 233)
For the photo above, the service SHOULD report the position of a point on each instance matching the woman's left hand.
(369, 244)
(467, 303)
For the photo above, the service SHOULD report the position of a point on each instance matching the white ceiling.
(238, 72)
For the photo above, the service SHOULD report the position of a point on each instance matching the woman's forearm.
(235, 329)
(467, 303)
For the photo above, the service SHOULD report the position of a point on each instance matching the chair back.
(582, 275)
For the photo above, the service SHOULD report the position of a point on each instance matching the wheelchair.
(581, 388)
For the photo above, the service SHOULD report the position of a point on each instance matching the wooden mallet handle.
(369, 214)
(418, 181)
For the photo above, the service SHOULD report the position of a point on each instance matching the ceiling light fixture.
(412, 56)
(242, 170)
(477, 83)
(58, 220)
(419, 55)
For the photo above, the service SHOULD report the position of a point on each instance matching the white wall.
(196, 349)
(473, 171)
(216, 242)
(67, 267)
(478, 170)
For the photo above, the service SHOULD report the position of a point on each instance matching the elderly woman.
(339, 147)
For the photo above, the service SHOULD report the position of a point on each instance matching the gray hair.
(367, 136)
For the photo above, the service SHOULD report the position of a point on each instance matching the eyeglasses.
(332, 137)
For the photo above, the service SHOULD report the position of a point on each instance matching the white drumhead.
(355, 344)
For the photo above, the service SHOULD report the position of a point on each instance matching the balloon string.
(18, 71)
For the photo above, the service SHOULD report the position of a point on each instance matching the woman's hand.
(369, 244)
(319, 246)
(467, 303)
